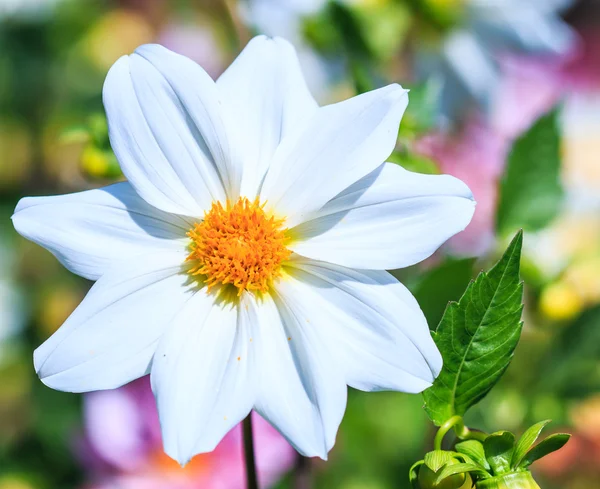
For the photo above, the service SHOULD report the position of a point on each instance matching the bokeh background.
(505, 94)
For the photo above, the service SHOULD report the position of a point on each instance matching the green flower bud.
(430, 468)
(516, 480)
(457, 481)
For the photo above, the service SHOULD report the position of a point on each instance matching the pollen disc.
(238, 244)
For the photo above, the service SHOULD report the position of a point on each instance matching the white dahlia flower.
(243, 263)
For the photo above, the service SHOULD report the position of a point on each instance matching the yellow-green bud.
(99, 163)
(427, 478)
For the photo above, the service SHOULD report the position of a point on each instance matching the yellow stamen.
(239, 245)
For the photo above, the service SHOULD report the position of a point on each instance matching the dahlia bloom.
(243, 263)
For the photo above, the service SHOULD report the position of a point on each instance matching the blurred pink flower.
(530, 87)
(123, 449)
(477, 154)
(581, 71)
(197, 42)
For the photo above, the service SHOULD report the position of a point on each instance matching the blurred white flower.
(467, 70)
(530, 26)
(242, 265)
(29, 9)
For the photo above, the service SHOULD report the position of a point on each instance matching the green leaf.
(454, 469)
(474, 450)
(498, 449)
(531, 192)
(526, 442)
(477, 338)
(543, 448)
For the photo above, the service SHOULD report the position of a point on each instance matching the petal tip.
(22, 204)
(60, 383)
(173, 452)
(149, 47)
(396, 91)
(320, 452)
(183, 461)
(38, 362)
(46, 380)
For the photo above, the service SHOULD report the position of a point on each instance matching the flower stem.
(462, 432)
(251, 475)
(302, 473)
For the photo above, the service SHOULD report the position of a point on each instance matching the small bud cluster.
(495, 461)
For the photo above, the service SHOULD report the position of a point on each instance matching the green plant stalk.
(462, 432)
(249, 457)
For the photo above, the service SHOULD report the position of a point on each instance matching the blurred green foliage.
(531, 192)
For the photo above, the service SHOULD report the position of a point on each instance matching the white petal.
(267, 97)
(202, 376)
(337, 146)
(302, 393)
(372, 325)
(390, 219)
(110, 338)
(89, 231)
(166, 128)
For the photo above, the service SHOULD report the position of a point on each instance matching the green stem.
(462, 432)
(302, 473)
(251, 475)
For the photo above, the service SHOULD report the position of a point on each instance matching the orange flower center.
(239, 245)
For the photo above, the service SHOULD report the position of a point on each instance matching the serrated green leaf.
(499, 449)
(477, 337)
(526, 442)
(454, 469)
(531, 192)
(474, 450)
(543, 448)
